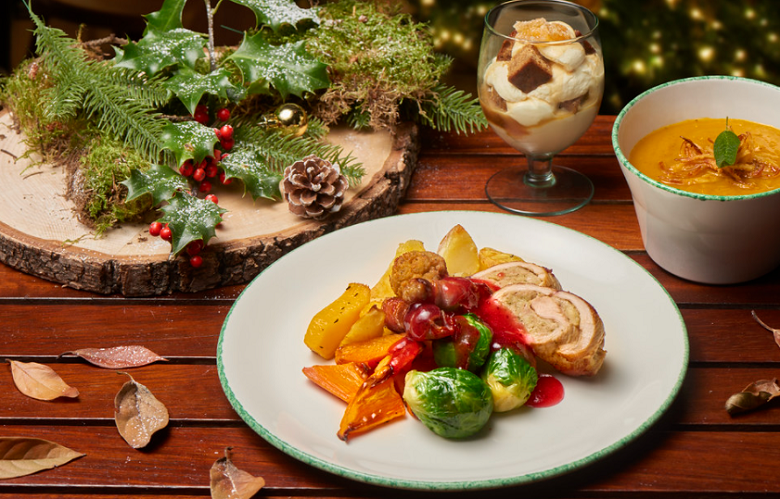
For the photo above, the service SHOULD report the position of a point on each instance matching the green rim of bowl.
(477, 484)
(624, 160)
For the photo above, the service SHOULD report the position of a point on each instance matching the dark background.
(646, 42)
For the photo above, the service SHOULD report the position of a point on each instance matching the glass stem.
(539, 173)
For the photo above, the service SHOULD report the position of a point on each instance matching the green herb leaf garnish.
(726, 147)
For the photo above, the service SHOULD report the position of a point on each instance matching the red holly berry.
(227, 144)
(194, 247)
(154, 228)
(186, 168)
(224, 179)
(217, 154)
(199, 174)
(205, 187)
(201, 118)
(211, 171)
(226, 131)
(213, 198)
(196, 261)
(165, 233)
(223, 114)
(201, 108)
(218, 133)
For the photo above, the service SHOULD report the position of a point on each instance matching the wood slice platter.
(41, 235)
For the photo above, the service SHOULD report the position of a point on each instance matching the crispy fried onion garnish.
(696, 165)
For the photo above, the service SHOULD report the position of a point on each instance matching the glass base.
(570, 191)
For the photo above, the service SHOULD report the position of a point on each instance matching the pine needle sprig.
(283, 150)
(114, 97)
(452, 110)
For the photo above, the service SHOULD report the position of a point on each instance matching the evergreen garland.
(122, 102)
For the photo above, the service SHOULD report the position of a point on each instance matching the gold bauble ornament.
(289, 118)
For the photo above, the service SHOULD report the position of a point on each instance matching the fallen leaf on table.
(121, 357)
(40, 382)
(229, 482)
(754, 395)
(775, 332)
(20, 456)
(138, 414)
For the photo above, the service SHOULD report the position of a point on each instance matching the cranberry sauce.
(548, 392)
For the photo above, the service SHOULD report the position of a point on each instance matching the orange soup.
(681, 156)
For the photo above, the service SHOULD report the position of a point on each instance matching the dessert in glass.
(540, 82)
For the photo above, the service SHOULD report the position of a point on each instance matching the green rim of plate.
(492, 483)
(624, 160)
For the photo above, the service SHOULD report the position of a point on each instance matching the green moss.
(377, 60)
(107, 163)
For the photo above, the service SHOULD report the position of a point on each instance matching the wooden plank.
(658, 462)
(463, 177)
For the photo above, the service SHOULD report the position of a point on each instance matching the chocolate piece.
(493, 100)
(505, 52)
(573, 105)
(528, 69)
(585, 43)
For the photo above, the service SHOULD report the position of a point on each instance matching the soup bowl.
(703, 238)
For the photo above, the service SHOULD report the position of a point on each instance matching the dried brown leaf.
(20, 456)
(120, 357)
(40, 382)
(775, 332)
(753, 396)
(138, 414)
(229, 482)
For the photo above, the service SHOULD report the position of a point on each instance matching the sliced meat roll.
(505, 274)
(561, 328)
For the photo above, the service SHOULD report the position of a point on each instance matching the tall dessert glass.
(540, 81)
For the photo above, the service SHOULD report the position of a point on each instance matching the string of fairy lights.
(646, 42)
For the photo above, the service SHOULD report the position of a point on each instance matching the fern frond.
(453, 110)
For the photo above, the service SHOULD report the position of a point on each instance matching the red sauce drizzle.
(507, 330)
(548, 392)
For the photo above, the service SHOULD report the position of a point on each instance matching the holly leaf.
(159, 181)
(277, 13)
(168, 18)
(157, 51)
(289, 68)
(249, 166)
(189, 86)
(190, 219)
(189, 140)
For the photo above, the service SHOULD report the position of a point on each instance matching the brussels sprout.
(453, 403)
(466, 349)
(510, 377)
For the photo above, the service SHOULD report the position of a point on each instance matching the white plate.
(261, 354)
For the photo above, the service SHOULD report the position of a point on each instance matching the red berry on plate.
(227, 131)
(211, 171)
(224, 179)
(199, 174)
(213, 198)
(227, 144)
(194, 247)
(155, 228)
(223, 114)
(205, 187)
(196, 261)
(165, 233)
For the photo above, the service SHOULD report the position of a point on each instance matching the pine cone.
(313, 187)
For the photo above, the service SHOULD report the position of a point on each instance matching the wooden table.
(696, 449)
